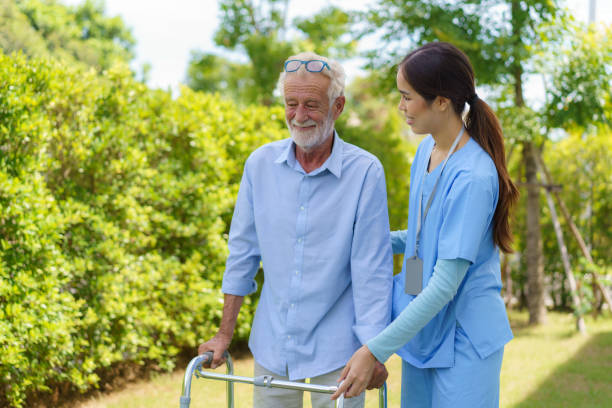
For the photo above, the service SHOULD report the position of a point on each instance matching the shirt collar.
(333, 162)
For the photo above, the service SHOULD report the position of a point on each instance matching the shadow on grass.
(521, 328)
(583, 381)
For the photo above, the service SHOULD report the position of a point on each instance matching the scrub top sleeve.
(466, 216)
(398, 241)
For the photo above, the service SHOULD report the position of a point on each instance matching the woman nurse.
(450, 324)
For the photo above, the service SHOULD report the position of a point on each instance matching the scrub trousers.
(264, 397)
(472, 382)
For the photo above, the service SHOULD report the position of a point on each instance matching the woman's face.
(418, 113)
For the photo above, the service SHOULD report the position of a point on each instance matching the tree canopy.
(259, 31)
(80, 33)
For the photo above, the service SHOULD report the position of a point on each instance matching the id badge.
(414, 275)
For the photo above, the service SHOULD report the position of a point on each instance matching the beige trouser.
(264, 397)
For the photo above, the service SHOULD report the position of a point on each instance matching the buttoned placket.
(296, 279)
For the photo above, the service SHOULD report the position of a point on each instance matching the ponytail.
(483, 126)
(441, 69)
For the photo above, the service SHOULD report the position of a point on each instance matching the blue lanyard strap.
(433, 191)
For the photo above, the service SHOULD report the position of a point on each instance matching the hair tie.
(472, 99)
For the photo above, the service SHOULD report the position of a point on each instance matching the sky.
(167, 31)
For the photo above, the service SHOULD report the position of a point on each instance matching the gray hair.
(335, 73)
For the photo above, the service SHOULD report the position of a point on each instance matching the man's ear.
(338, 106)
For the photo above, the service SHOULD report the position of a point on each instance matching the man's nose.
(301, 114)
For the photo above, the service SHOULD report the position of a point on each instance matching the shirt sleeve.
(371, 258)
(398, 241)
(466, 215)
(244, 254)
(442, 287)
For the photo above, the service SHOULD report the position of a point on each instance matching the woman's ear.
(442, 103)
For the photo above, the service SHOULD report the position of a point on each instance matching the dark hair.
(441, 69)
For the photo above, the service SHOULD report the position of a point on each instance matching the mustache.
(308, 123)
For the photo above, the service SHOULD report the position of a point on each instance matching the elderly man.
(313, 210)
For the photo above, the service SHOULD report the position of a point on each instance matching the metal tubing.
(289, 385)
(230, 385)
(382, 396)
(186, 392)
(195, 367)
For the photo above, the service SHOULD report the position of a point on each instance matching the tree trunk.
(507, 280)
(577, 235)
(580, 325)
(533, 250)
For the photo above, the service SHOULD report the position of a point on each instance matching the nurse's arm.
(440, 290)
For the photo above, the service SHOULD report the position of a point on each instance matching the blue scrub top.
(459, 225)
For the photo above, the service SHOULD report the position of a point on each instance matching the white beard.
(309, 139)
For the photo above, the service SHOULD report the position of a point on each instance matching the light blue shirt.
(459, 225)
(323, 239)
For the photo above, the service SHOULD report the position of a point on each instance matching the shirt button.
(289, 337)
(302, 208)
(299, 239)
(293, 305)
(297, 272)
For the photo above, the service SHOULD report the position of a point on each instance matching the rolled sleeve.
(371, 258)
(244, 254)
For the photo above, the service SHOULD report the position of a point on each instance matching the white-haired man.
(313, 209)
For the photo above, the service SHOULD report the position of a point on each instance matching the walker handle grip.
(208, 356)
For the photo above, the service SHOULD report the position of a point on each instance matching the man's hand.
(218, 345)
(379, 377)
(356, 374)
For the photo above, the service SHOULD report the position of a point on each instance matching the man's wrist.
(370, 354)
(224, 337)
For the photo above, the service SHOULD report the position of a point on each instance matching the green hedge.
(114, 202)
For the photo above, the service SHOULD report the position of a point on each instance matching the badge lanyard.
(414, 265)
(433, 192)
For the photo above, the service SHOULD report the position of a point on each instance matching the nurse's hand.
(356, 374)
(378, 377)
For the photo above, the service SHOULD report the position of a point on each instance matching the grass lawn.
(547, 366)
